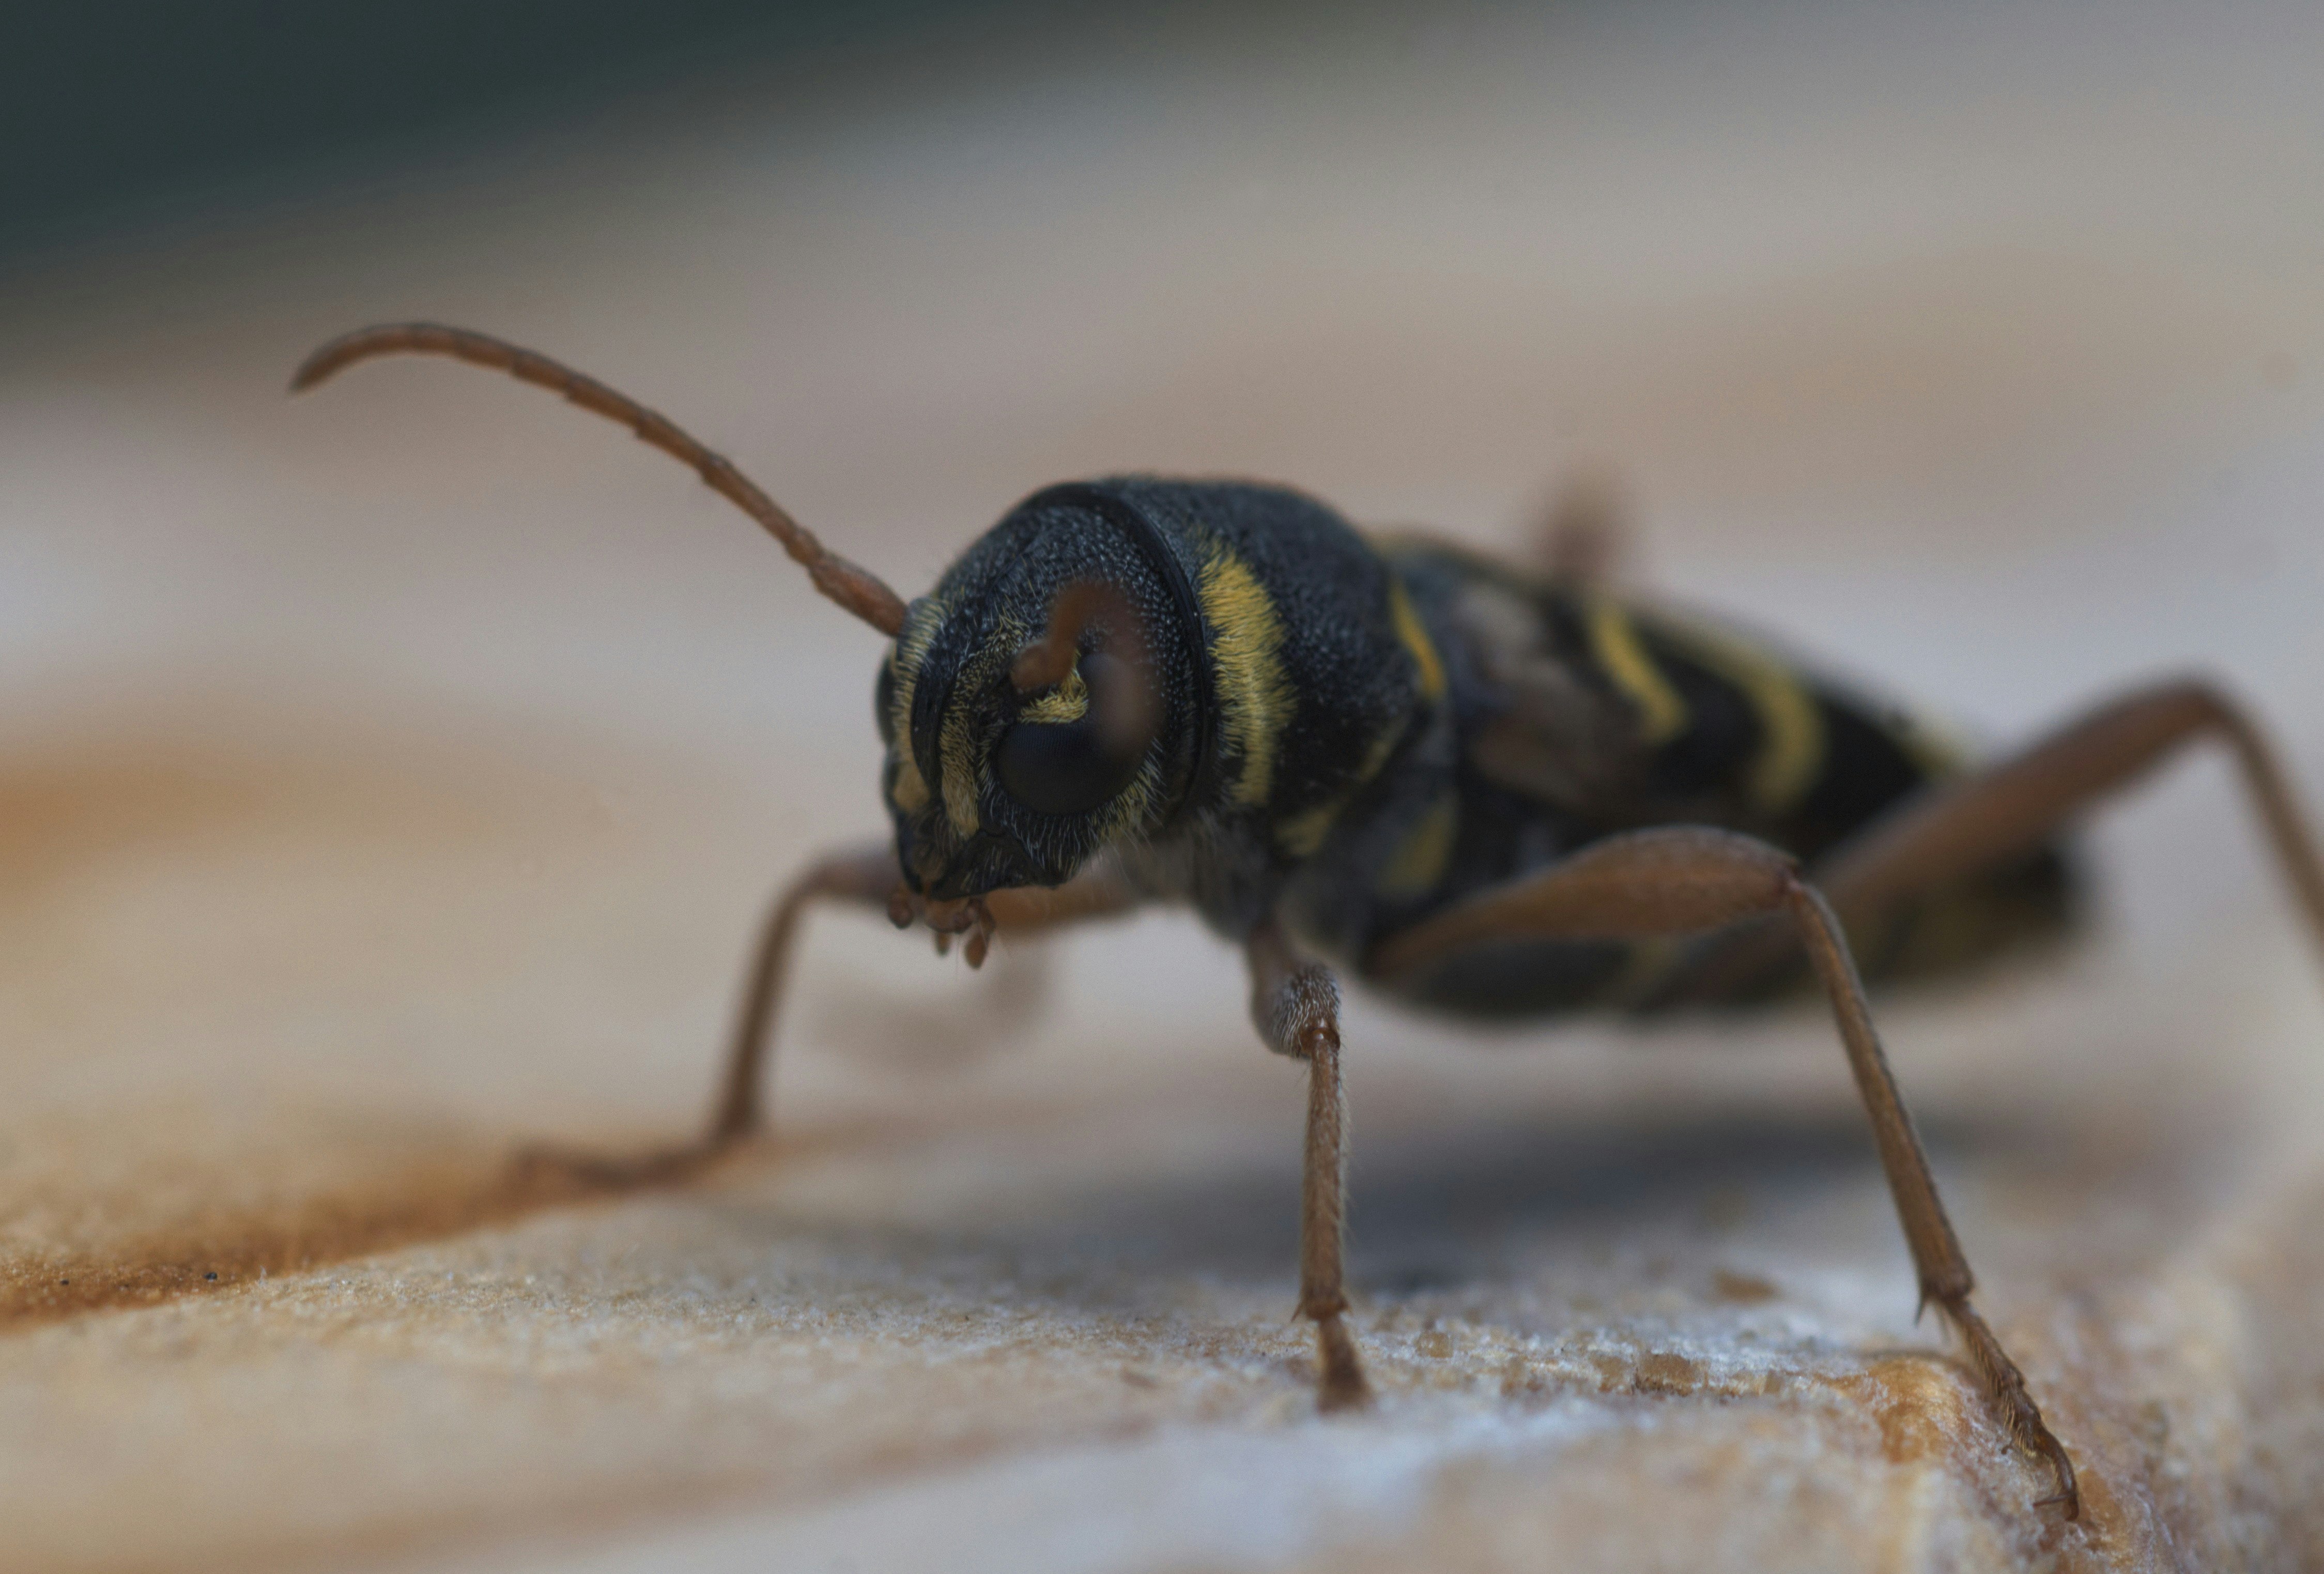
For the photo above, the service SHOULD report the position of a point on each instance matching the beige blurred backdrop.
(393, 776)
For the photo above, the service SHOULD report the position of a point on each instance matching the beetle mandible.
(1479, 789)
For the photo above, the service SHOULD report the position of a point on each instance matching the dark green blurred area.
(118, 113)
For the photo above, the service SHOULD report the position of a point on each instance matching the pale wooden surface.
(388, 780)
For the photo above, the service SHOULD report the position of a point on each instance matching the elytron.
(1483, 789)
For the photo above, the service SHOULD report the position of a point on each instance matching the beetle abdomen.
(1571, 715)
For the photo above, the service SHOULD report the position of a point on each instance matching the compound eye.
(1060, 767)
(1070, 767)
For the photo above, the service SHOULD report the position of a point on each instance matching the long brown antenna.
(853, 586)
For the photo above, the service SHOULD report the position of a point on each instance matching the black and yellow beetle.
(1483, 791)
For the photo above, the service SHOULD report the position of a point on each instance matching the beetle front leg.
(1295, 1004)
(863, 875)
(867, 876)
(870, 876)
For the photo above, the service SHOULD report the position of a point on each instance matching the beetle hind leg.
(1679, 880)
(1957, 830)
(2005, 1385)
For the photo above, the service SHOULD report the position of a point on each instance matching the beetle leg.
(867, 876)
(1295, 1004)
(1583, 538)
(1678, 880)
(1097, 892)
(1961, 827)
(863, 877)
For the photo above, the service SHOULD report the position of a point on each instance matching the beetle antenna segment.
(1049, 659)
(853, 586)
(1132, 717)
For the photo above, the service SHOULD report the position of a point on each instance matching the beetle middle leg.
(1676, 880)
(1295, 1004)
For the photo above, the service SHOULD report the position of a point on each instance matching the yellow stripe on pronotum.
(1255, 697)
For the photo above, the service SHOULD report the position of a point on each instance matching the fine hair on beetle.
(1495, 789)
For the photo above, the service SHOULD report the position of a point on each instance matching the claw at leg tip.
(2068, 1498)
(1341, 1382)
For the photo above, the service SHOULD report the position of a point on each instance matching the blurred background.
(1972, 352)
(399, 770)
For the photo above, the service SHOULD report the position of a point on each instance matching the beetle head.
(1039, 705)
